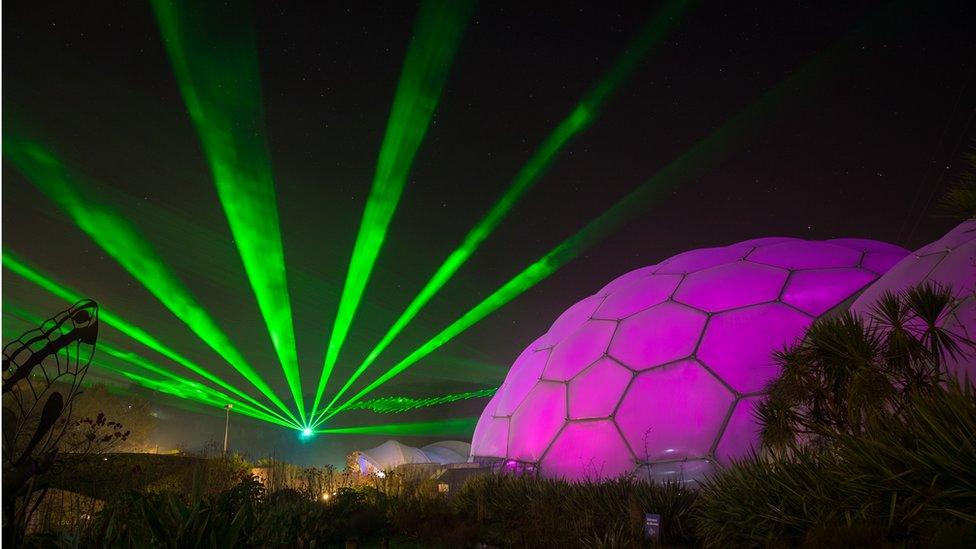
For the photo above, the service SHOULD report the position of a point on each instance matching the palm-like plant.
(850, 370)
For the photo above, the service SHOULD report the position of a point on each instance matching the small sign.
(652, 526)
(443, 487)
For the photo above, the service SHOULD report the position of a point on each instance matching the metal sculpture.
(42, 373)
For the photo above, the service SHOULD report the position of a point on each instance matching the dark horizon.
(865, 151)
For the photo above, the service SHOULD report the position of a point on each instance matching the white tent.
(392, 453)
(448, 451)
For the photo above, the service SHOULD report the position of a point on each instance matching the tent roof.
(448, 451)
(392, 453)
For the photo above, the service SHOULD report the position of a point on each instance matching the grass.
(904, 480)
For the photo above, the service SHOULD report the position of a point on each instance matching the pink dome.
(659, 371)
(949, 261)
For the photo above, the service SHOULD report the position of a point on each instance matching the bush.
(292, 520)
(850, 371)
(527, 511)
(906, 478)
(145, 519)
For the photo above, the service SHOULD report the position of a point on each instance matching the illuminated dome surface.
(659, 371)
(949, 261)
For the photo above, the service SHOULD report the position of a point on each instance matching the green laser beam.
(457, 427)
(449, 368)
(177, 383)
(22, 269)
(398, 404)
(216, 66)
(436, 38)
(579, 119)
(122, 241)
(193, 393)
(716, 147)
(178, 386)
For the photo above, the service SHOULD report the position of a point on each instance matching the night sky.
(863, 150)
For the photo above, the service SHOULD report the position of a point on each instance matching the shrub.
(905, 478)
(289, 519)
(850, 371)
(528, 511)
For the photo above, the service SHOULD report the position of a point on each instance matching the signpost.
(652, 527)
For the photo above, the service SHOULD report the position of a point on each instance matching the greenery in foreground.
(906, 480)
(870, 438)
(868, 442)
(503, 511)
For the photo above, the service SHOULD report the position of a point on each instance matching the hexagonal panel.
(493, 402)
(703, 258)
(571, 454)
(580, 349)
(964, 232)
(731, 285)
(661, 334)
(741, 435)
(908, 272)
(880, 263)
(626, 279)
(637, 296)
(536, 422)
(816, 291)
(491, 436)
(737, 344)
(596, 392)
(869, 246)
(525, 373)
(805, 255)
(957, 270)
(571, 319)
(673, 412)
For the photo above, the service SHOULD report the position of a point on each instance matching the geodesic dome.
(659, 371)
(950, 262)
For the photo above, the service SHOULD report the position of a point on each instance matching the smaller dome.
(949, 262)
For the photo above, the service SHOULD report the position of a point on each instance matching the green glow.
(696, 161)
(452, 368)
(458, 427)
(436, 36)
(174, 385)
(121, 241)
(193, 392)
(188, 389)
(514, 287)
(581, 117)
(105, 316)
(216, 66)
(395, 404)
